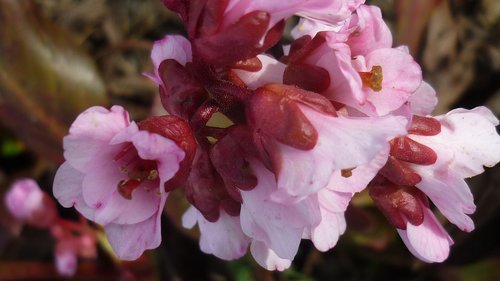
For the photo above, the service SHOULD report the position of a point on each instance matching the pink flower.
(307, 145)
(435, 157)
(249, 27)
(468, 141)
(115, 174)
(27, 202)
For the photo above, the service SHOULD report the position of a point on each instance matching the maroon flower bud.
(275, 114)
(206, 191)
(424, 126)
(398, 173)
(181, 93)
(228, 158)
(400, 204)
(408, 150)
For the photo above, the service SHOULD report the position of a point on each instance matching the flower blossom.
(115, 174)
(341, 111)
(433, 160)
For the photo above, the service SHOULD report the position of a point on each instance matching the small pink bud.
(66, 257)
(27, 202)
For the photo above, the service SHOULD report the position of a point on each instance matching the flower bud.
(27, 202)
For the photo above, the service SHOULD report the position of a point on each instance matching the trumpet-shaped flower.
(115, 174)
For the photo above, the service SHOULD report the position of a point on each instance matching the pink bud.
(66, 257)
(26, 201)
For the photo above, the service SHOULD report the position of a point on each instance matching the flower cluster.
(341, 111)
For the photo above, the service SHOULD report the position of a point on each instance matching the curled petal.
(267, 258)
(427, 241)
(129, 241)
(223, 238)
(90, 134)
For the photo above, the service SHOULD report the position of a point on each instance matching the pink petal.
(271, 72)
(337, 10)
(449, 192)
(360, 176)
(401, 78)
(268, 259)
(345, 82)
(129, 241)
(372, 32)
(90, 134)
(170, 47)
(343, 143)
(166, 152)
(224, 238)
(333, 201)
(312, 27)
(470, 136)
(278, 225)
(326, 234)
(428, 241)
(67, 190)
(424, 100)
(100, 192)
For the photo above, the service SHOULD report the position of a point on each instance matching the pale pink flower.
(343, 143)
(390, 76)
(27, 202)
(115, 174)
(468, 141)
